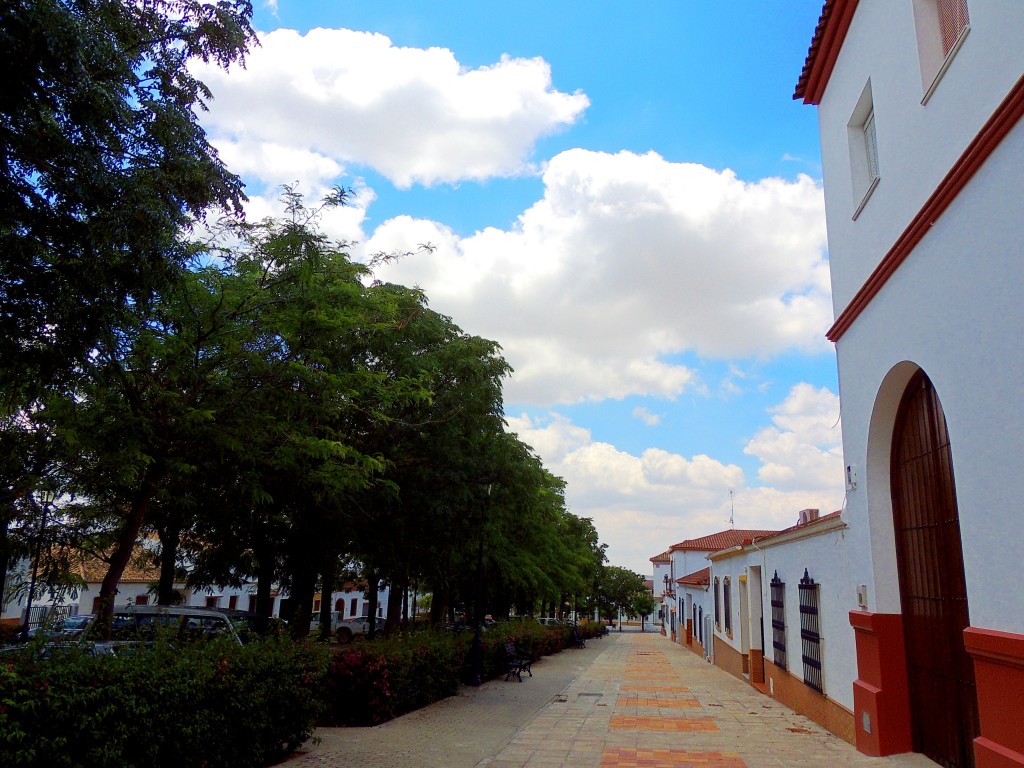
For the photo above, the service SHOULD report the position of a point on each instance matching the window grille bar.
(810, 632)
(727, 603)
(779, 621)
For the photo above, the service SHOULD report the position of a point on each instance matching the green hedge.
(211, 706)
(219, 705)
(369, 683)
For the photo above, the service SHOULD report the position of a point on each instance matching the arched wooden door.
(933, 590)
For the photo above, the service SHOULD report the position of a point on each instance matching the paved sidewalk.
(630, 700)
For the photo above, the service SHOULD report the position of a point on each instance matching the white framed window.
(865, 170)
(941, 27)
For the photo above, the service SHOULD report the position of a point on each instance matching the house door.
(933, 590)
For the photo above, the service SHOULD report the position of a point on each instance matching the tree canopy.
(257, 403)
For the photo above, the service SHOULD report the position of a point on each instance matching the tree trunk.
(170, 539)
(301, 594)
(264, 579)
(395, 597)
(328, 575)
(371, 596)
(5, 553)
(127, 538)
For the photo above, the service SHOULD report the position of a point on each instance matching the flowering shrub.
(369, 683)
(209, 706)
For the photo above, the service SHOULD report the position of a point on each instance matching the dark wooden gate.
(933, 590)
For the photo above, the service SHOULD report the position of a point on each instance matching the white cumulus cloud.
(643, 503)
(307, 106)
(627, 261)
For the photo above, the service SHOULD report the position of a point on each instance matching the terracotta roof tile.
(833, 24)
(699, 578)
(141, 569)
(664, 557)
(721, 540)
(799, 526)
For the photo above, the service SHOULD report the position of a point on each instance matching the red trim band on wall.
(984, 144)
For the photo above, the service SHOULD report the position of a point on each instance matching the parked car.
(336, 619)
(251, 627)
(141, 624)
(349, 629)
(72, 626)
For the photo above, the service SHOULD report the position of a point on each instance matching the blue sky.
(627, 199)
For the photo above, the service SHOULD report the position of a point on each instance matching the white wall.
(917, 144)
(953, 308)
(826, 558)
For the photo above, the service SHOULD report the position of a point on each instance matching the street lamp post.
(45, 499)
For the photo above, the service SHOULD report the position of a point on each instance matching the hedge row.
(219, 705)
(370, 683)
(210, 706)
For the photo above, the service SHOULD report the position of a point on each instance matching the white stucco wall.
(826, 559)
(917, 144)
(954, 307)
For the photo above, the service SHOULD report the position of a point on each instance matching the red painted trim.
(984, 144)
(881, 692)
(999, 672)
(834, 23)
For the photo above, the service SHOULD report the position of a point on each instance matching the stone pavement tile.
(668, 758)
(585, 710)
(661, 702)
(652, 688)
(674, 724)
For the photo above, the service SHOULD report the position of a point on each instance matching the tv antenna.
(732, 520)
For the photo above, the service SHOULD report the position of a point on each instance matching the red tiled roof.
(138, 570)
(664, 557)
(833, 24)
(799, 526)
(699, 578)
(721, 540)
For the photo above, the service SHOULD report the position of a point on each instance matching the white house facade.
(920, 105)
(781, 617)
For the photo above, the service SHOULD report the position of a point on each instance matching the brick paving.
(631, 700)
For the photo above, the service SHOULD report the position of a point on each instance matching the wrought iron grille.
(779, 620)
(727, 604)
(810, 632)
(718, 610)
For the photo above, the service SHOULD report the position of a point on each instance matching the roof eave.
(833, 24)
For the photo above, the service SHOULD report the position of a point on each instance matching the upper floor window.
(863, 140)
(941, 27)
(718, 610)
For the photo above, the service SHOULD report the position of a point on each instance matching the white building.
(691, 597)
(780, 617)
(662, 589)
(920, 105)
(137, 587)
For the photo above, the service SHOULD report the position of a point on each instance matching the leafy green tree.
(643, 605)
(618, 587)
(103, 164)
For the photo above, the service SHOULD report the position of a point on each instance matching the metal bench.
(517, 663)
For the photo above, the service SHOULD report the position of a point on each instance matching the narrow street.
(630, 700)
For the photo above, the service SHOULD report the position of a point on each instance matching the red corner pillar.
(999, 674)
(881, 694)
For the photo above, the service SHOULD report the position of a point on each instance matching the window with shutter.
(865, 169)
(941, 27)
